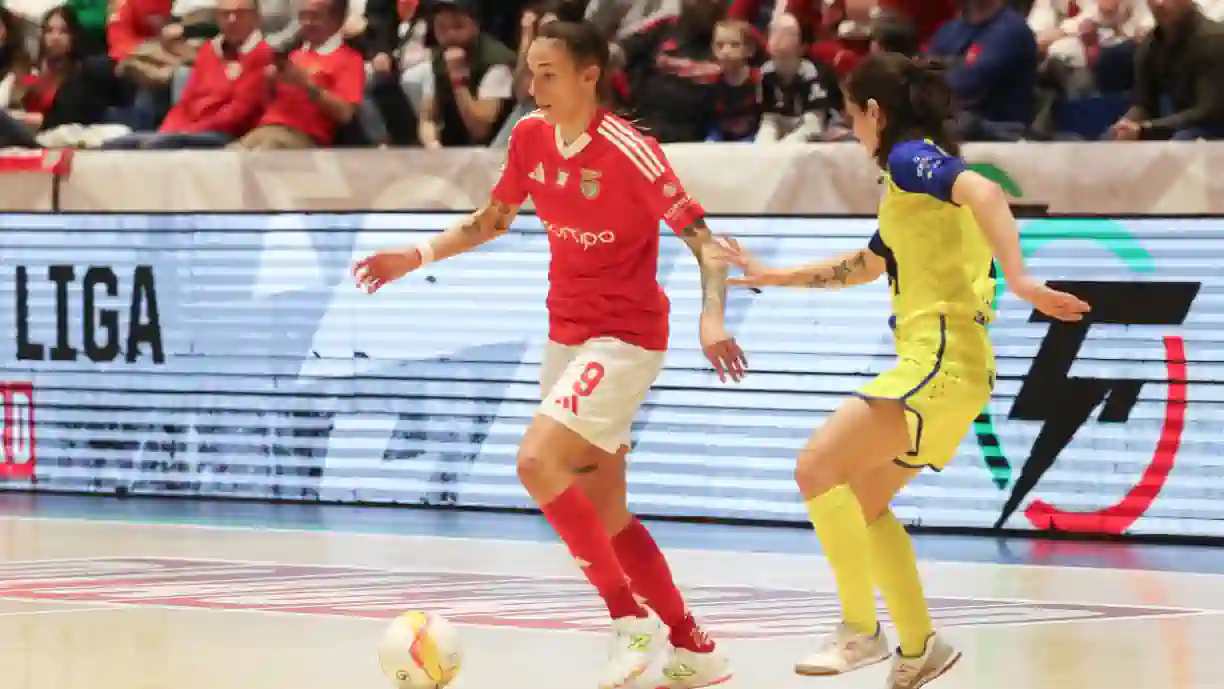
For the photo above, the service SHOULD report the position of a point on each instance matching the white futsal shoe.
(636, 642)
(911, 673)
(844, 651)
(690, 670)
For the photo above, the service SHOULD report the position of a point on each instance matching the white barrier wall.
(230, 354)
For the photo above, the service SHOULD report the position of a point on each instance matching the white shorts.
(595, 389)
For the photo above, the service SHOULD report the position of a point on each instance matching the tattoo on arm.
(839, 274)
(713, 277)
(494, 219)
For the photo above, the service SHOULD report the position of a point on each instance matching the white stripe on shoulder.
(631, 143)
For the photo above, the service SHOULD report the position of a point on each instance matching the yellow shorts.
(944, 376)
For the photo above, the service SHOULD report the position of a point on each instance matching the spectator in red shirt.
(763, 13)
(316, 89)
(225, 94)
(133, 22)
(850, 40)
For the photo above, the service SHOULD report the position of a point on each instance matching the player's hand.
(721, 349)
(1051, 302)
(385, 267)
(729, 250)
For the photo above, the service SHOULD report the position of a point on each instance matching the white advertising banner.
(231, 355)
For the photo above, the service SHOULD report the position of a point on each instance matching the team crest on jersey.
(669, 190)
(590, 184)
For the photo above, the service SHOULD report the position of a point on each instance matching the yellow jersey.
(941, 271)
(938, 261)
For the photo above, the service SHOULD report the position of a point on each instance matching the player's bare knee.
(530, 466)
(817, 474)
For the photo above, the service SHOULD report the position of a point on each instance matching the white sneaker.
(845, 650)
(688, 670)
(637, 641)
(910, 673)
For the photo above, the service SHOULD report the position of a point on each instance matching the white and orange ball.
(420, 650)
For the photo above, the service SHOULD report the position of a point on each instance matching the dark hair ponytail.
(916, 99)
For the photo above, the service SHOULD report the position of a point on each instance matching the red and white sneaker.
(844, 651)
(911, 673)
(691, 670)
(636, 642)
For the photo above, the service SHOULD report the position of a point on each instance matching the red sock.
(652, 579)
(577, 523)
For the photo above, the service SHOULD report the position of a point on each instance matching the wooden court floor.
(108, 605)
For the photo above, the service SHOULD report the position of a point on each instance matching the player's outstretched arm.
(384, 267)
(719, 347)
(713, 269)
(855, 268)
(995, 219)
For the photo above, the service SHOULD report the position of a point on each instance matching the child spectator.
(796, 95)
(737, 108)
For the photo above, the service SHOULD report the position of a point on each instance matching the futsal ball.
(420, 650)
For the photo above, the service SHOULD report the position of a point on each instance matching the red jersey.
(334, 67)
(225, 93)
(133, 22)
(600, 199)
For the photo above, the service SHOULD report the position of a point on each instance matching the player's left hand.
(722, 350)
(1051, 302)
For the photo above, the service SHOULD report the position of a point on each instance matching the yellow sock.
(895, 571)
(842, 531)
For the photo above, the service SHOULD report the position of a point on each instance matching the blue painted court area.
(451, 523)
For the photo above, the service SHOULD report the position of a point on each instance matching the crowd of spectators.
(293, 74)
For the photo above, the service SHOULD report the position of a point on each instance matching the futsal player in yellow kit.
(940, 228)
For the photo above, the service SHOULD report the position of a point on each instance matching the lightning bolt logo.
(1064, 403)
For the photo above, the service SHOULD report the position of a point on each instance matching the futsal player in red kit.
(601, 188)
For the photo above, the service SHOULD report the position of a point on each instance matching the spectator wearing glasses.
(316, 89)
(1179, 78)
(226, 91)
(470, 92)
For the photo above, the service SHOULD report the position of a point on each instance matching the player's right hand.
(733, 253)
(1051, 302)
(756, 274)
(375, 272)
